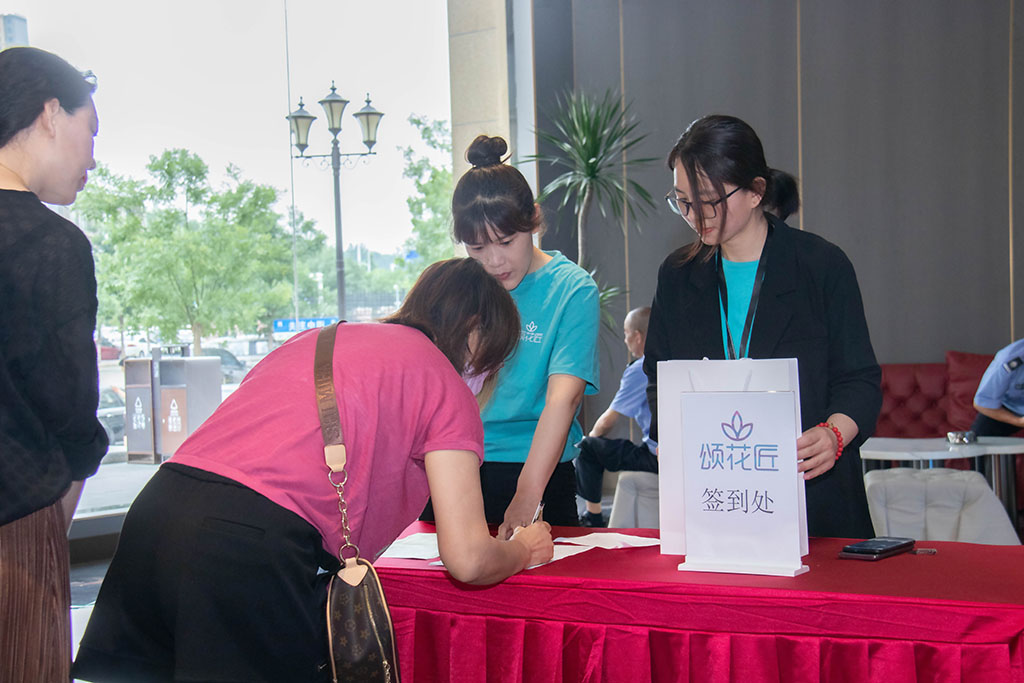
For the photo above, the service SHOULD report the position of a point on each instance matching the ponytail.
(781, 195)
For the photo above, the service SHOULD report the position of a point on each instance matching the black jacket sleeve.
(63, 377)
(657, 345)
(854, 378)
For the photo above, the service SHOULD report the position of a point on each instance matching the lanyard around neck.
(755, 295)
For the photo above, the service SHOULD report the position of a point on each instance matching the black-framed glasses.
(683, 208)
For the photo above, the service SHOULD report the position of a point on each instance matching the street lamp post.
(300, 120)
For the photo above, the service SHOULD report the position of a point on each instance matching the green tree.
(111, 209)
(183, 254)
(431, 205)
(179, 175)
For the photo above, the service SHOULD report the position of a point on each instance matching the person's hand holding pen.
(523, 508)
(537, 538)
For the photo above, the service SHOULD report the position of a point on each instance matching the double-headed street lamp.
(300, 121)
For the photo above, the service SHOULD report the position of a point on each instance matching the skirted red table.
(628, 615)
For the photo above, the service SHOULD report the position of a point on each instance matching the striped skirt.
(35, 599)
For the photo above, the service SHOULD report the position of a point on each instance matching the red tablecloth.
(630, 615)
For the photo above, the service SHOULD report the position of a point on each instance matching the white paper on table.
(561, 552)
(609, 541)
(418, 546)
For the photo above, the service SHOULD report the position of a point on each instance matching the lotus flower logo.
(531, 327)
(737, 430)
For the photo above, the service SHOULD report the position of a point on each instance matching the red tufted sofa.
(929, 399)
(915, 400)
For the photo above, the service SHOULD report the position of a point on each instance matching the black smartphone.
(877, 548)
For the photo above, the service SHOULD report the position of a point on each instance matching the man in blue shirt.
(598, 453)
(1000, 396)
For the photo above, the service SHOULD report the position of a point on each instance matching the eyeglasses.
(683, 208)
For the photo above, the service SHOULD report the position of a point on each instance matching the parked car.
(232, 368)
(104, 348)
(138, 346)
(107, 350)
(111, 413)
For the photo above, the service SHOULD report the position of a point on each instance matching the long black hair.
(725, 149)
(29, 78)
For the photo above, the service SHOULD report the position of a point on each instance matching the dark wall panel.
(553, 72)
(598, 67)
(678, 60)
(905, 164)
(905, 127)
(686, 59)
(1017, 247)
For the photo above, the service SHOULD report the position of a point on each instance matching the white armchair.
(937, 504)
(636, 501)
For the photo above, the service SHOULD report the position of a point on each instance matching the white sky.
(210, 76)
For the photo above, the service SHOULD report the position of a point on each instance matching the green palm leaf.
(593, 138)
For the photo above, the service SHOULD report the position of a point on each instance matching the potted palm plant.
(592, 138)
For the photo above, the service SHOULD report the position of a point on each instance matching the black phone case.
(871, 556)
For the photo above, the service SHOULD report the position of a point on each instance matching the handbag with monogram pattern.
(360, 634)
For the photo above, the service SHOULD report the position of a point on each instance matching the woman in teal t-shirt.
(530, 427)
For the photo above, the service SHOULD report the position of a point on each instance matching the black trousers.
(210, 582)
(984, 425)
(598, 454)
(498, 481)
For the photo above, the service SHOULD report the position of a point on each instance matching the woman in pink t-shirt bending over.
(217, 573)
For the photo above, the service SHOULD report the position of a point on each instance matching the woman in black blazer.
(786, 294)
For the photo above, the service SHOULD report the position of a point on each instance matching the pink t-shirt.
(398, 399)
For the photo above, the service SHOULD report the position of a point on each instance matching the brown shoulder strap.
(327, 404)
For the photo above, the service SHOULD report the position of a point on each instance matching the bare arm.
(816, 448)
(564, 393)
(1001, 414)
(606, 422)
(469, 552)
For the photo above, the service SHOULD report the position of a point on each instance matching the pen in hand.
(536, 515)
(536, 518)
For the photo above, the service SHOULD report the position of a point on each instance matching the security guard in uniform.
(1000, 397)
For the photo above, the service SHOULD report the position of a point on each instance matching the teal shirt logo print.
(530, 334)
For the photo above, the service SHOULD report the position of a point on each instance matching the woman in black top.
(798, 298)
(50, 439)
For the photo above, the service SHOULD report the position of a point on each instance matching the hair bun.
(486, 151)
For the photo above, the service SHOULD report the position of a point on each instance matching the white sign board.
(731, 497)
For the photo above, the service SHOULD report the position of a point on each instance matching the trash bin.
(189, 393)
(139, 436)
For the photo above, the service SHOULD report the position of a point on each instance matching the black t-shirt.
(49, 434)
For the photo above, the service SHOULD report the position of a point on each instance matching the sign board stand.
(727, 443)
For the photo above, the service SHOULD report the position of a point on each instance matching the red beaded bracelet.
(839, 436)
